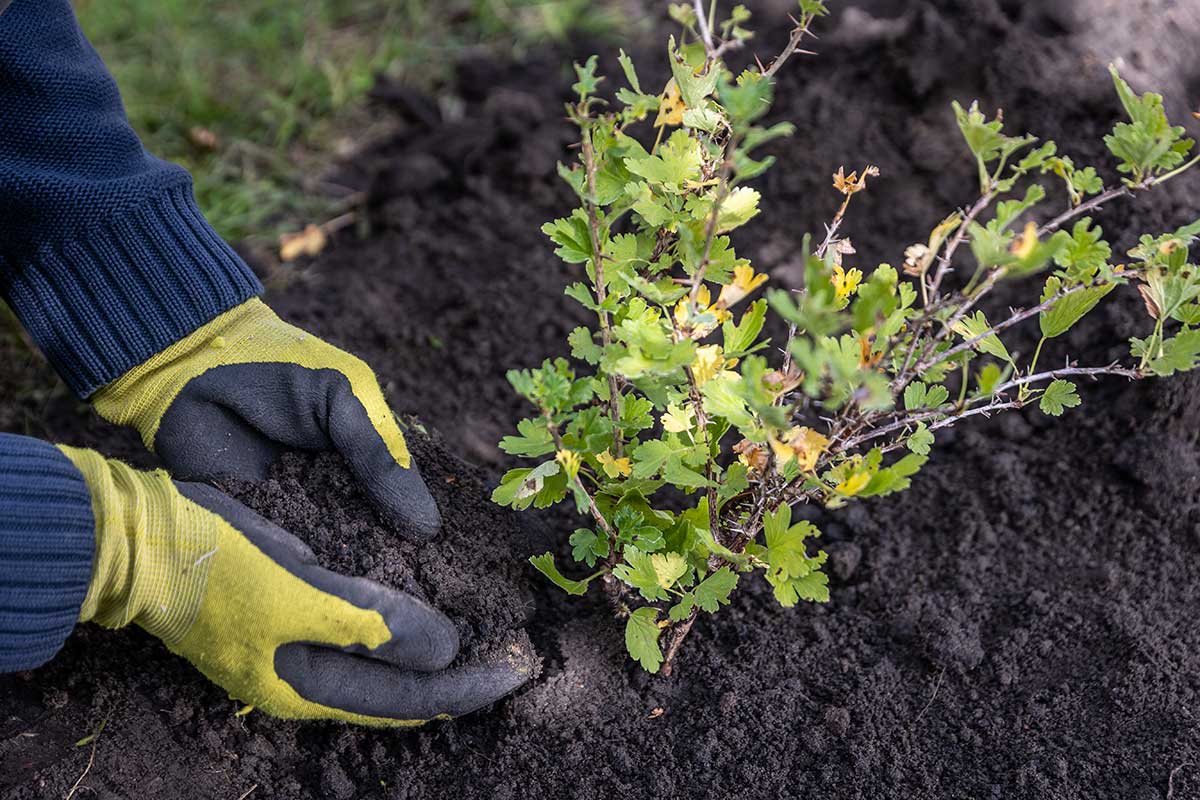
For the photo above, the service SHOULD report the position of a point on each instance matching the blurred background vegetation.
(256, 97)
(249, 94)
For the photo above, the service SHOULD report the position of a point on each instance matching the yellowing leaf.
(854, 484)
(668, 568)
(670, 106)
(709, 361)
(570, 462)
(745, 281)
(845, 283)
(678, 420)
(308, 242)
(1024, 246)
(614, 467)
(738, 208)
(852, 183)
(803, 444)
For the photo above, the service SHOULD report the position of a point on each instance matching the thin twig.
(1095, 203)
(933, 697)
(798, 34)
(592, 507)
(948, 410)
(1171, 780)
(705, 31)
(1017, 317)
(952, 246)
(91, 760)
(248, 792)
(614, 408)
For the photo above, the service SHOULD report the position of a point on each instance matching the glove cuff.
(125, 289)
(46, 546)
(153, 549)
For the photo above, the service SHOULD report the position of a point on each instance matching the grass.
(250, 95)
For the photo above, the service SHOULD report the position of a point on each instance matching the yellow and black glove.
(246, 603)
(225, 400)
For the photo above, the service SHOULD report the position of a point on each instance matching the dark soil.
(1021, 624)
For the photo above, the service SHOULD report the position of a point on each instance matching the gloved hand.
(246, 603)
(225, 400)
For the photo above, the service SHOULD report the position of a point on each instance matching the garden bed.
(1019, 624)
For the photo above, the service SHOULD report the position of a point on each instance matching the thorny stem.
(830, 237)
(1017, 317)
(705, 30)
(614, 408)
(952, 246)
(1095, 203)
(677, 632)
(798, 33)
(710, 228)
(595, 511)
(947, 410)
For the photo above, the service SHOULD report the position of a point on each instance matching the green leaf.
(918, 396)
(683, 609)
(1085, 253)
(1058, 319)
(678, 161)
(583, 345)
(651, 574)
(1179, 354)
(976, 325)
(545, 565)
(740, 339)
(748, 99)
(789, 567)
(572, 236)
(520, 488)
(587, 546)
(921, 440)
(713, 591)
(641, 638)
(692, 87)
(895, 478)
(704, 119)
(534, 440)
(588, 81)
(813, 587)
(1148, 144)
(630, 73)
(723, 398)
(1059, 395)
(989, 378)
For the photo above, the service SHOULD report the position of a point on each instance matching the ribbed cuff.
(47, 542)
(105, 302)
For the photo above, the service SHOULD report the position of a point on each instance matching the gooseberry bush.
(674, 386)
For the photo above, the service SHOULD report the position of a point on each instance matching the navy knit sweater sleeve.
(106, 259)
(104, 255)
(47, 540)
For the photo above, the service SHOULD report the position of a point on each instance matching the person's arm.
(140, 305)
(46, 548)
(91, 539)
(104, 255)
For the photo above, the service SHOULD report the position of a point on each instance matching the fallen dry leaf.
(307, 242)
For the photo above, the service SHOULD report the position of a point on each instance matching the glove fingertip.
(407, 503)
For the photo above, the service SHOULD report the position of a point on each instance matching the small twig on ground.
(248, 792)
(94, 740)
(1171, 779)
(932, 697)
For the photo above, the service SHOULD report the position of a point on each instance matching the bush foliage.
(674, 386)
